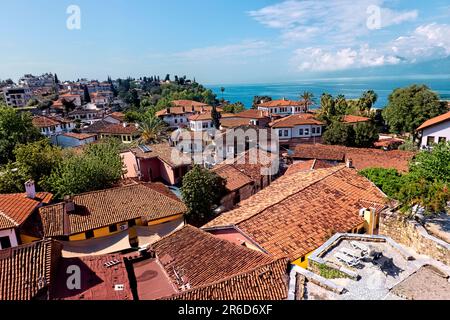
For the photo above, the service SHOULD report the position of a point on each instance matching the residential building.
(435, 130)
(101, 98)
(204, 122)
(282, 107)
(178, 114)
(53, 126)
(28, 271)
(15, 211)
(297, 213)
(161, 162)
(126, 133)
(115, 118)
(361, 158)
(99, 214)
(382, 270)
(72, 139)
(298, 128)
(75, 98)
(46, 80)
(351, 119)
(85, 115)
(17, 97)
(193, 259)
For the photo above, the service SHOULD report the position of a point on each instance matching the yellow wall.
(24, 239)
(163, 220)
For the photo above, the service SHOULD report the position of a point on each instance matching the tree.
(151, 129)
(133, 116)
(366, 134)
(367, 101)
(222, 89)
(167, 78)
(258, 99)
(68, 106)
(15, 128)
(86, 95)
(339, 133)
(98, 167)
(434, 165)
(12, 180)
(409, 107)
(201, 191)
(327, 110)
(388, 180)
(56, 79)
(308, 100)
(36, 160)
(341, 105)
(216, 116)
(234, 108)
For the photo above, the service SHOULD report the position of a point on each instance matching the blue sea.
(350, 87)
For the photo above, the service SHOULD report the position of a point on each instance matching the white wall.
(436, 131)
(11, 233)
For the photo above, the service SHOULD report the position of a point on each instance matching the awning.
(94, 247)
(151, 234)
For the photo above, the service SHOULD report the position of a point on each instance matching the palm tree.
(308, 100)
(222, 89)
(151, 129)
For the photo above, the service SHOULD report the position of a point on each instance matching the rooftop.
(362, 158)
(389, 271)
(298, 212)
(79, 136)
(26, 271)
(234, 178)
(163, 151)
(296, 120)
(434, 121)
(44, 122)
(252, 114)
(281, 103)
(354, 119)
(111, 128)
(105, 207)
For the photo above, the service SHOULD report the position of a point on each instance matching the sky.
(223, 41)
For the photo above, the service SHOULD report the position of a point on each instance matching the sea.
(350, 87)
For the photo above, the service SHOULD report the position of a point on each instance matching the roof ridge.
(333, 171)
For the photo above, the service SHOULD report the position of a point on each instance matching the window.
(300, 132)
(306, 132)
(430, 140)
(318, 130)
(280, 133)
(442, 139)
(5, 243)
(313, 130)
(302, 259)
(176, 121)
(286, 133)
(89, 234)
(113, 228)
(131, 223)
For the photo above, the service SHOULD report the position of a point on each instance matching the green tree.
(340, 134)
(98, 167)
(222, 89)
(388, 180)
(216, 116)
(234, 108)
(86, 95)
(327, 110)
(133, 116)
(366, 134)
(151, 129)
(12, 179)
(367, 101)
(308, 100)
(201, 191)
(409, 107)
(434, 165)
(68, 105)
(15, 128)
(341, 105)
(37, 159)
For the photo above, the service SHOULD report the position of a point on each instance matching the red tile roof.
(119, 116)
(267, 282)
(16, 208)
(207, 116)
(80, 136)
(252, 114)
(281, 103)
(296, 120)
(98, 282)
(234, 122)
(201, 258)
(43, 122)
(362, 158)
(297, 213)
(164, 152)
(354, 119)
(105, 207)
(111, 128)
(27, 271)
(234, 178)
(188, 103)
(434, 121)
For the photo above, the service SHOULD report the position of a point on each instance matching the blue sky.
(219, 41)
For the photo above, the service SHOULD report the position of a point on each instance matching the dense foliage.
(409, 107)
(234, 108)
(201, 190)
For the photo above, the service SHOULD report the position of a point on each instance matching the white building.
(282, 107)
(435, 130)
(51, 127)
(17, 97)
(75, 98)
(298, 126)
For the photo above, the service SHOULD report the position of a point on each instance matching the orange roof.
(354, 119)
(296, 120)
(43, 122)
(233, 122)
(297, 213)
(79, 136)
(234, 178)
(252, 114)
(111, 128)
(120, 116)
(281, 103)
(188, 103)
(436, 120)
(16, 208)
(207, 116)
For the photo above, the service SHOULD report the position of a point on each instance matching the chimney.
(30, 189)
(69, 205)
(349, 163)
(125, 124)
(184, 109)
(168, 110)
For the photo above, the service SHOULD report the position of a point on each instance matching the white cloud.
(249, 48)
(338, 21)
(317, 59)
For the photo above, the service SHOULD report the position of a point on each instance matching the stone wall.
(411, 234)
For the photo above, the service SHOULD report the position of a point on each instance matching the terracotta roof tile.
(234, 178)
(27, 271)
(252, 114)
(354, 119)
(80, 136)
(267, 282)
(296, 120)
(111, 128)
(436, 120)
(43, 122)
(297, 213)
(102, 208)
(201, 258)
(281, 103)
(234, 122)
(165, 153)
